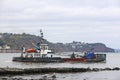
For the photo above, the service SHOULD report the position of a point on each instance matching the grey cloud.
(92, 20)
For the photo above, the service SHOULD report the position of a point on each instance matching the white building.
(6, 47)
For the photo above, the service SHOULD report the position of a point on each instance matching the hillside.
(16, 41)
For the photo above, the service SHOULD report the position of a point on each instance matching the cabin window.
(36, 55)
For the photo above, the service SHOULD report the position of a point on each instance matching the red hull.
(74, 59)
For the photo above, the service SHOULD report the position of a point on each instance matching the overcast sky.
(64, 21)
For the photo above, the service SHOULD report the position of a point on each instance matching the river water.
(112, 60)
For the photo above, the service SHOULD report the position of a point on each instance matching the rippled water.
(113, 60)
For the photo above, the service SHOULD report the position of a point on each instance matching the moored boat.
(40, 54)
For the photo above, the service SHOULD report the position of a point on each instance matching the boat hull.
(82, 60)
(44, 59)
(98, 58)
(74, 59)
(47, 60)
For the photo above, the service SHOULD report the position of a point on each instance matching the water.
(111, 61)
(6, 60)
(102, 75)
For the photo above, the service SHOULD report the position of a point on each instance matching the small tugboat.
(40, 54)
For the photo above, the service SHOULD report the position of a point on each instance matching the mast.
(43, 46)
(41, 36)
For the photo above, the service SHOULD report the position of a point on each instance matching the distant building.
(6, 47)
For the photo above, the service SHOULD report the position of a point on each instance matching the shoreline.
(10, 51)
(17, 71)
